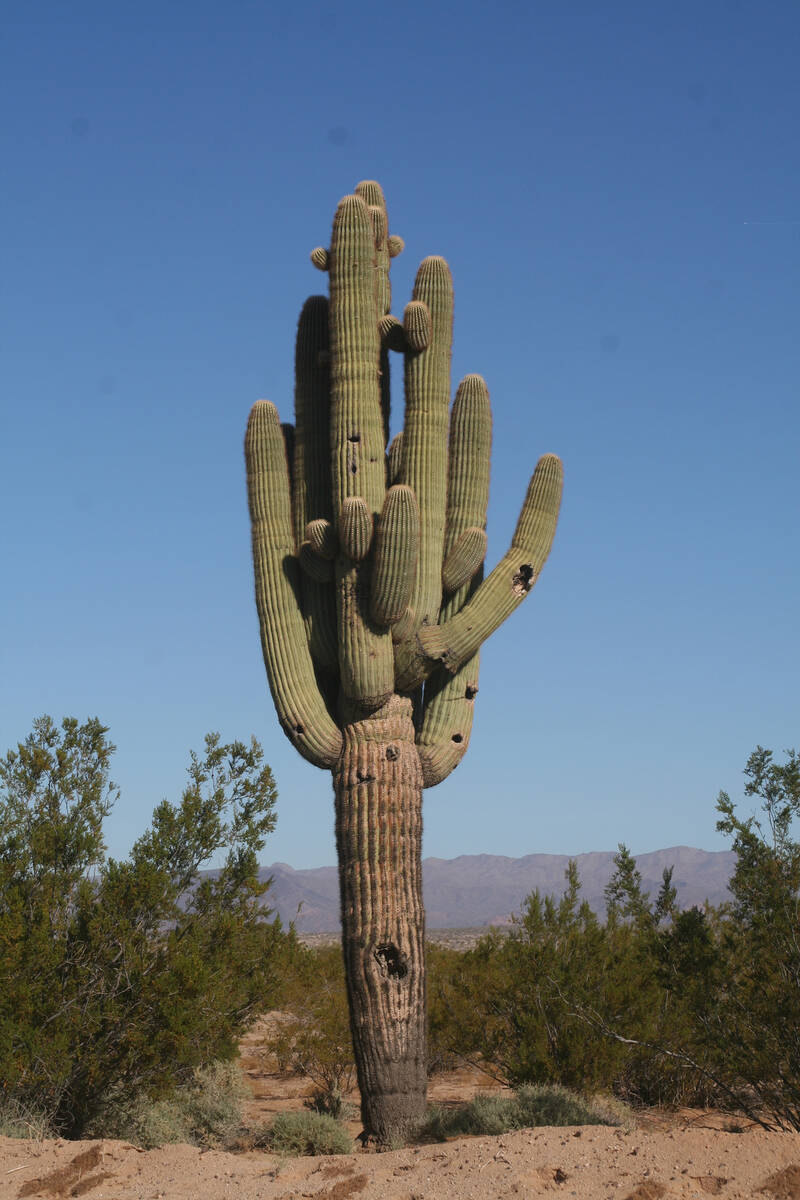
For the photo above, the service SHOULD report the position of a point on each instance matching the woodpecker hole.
(392, 753)
(457, 738)
(523, 581)
(392, 962)
(299, 728)
(354, 437)
(471, 691)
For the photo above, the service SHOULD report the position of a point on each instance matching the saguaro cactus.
(373, 606)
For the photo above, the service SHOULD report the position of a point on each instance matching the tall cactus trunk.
(378, 789)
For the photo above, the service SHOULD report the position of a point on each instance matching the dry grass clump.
(530, 1106)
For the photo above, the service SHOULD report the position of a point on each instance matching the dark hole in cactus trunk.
(299, 728)
(393, 963)
(457, 737)
(353, 467)
(471, 691)
(523, 581)
(392, 753)
(354, 437)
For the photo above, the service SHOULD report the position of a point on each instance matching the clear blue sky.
(617, 190)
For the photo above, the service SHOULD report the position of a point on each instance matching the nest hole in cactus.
(523, 580)
(392, 961)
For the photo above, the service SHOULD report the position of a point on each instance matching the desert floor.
(691, 1155)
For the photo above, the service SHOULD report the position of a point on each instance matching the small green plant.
(308, 1133)
(490, 1115)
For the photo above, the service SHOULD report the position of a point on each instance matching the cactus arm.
(311, 483)
(424, 446)
(372, 195)
(497, 597)
(394, 459)
(357, 443)
(298, 702)
(396, 550)
(357, 446)
(449, 705)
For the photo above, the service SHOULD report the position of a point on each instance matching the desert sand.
(664, 1155)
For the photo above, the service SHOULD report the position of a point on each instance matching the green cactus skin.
(300, 707)
(396, 551)
(355, 528)
(394, 459)
(464, 559)
(319, 257)
(372, 649)
(321, 536)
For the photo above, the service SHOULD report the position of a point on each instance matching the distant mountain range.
(487, 889)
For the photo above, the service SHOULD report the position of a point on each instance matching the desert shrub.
(308, 1133)
(120, 978)
(749, 1027)
(543, 1003)
(490, 1115)
(206, 1111)
(313, 1038)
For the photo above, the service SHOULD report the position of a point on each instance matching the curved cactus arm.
(424, 446)
(298, 701)
(444, 737)
(449, 709)
(510, 582)
(311, 478)
(357, 447)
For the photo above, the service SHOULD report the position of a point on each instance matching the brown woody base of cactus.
(378, 788)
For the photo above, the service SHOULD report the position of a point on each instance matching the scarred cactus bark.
(372, 606)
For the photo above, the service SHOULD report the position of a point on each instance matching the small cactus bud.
(319, 257)
(417, 325)
(392, 333)
(321, 537)
(355, 528)
(396, 245)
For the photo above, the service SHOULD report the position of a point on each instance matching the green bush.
(308, 1133)
(314, 1039)
(120, 978)
(490, 1115)
(542, 1004)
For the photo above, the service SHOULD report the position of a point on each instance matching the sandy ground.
(695, 1155)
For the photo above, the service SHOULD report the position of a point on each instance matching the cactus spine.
(372, 605)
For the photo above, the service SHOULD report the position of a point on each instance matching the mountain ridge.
(474, 890)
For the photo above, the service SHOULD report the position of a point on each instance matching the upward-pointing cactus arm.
(451, 644)
(424, 445)
(290, 672)
(357, 450)
(311, 484)
(449, 704)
